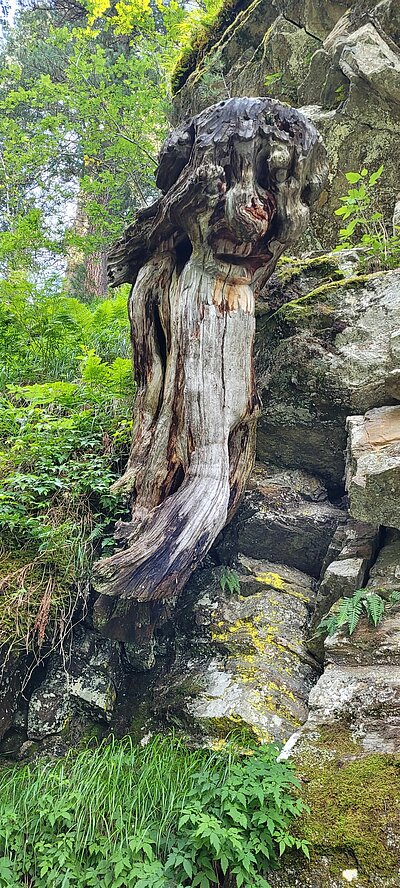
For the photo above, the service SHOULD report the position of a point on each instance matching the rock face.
(286, 516)
(360, 686)
(340, 62)
(373, 466)
(246, 665)
(326, 354)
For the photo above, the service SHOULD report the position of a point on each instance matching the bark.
(238, 180)
(87, 272)
(96, 280)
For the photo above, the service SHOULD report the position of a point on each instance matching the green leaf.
(375, 176)
(188, 867)
(354, 610)
(353, 177)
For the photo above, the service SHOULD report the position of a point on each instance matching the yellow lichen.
(277, 582)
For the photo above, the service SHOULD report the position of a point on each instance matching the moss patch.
(354, 803)
(300, 306)
(289, 268)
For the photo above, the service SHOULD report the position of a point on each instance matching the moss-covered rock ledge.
(354, 820)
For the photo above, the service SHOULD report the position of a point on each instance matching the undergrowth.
(63, 441)
(162, 816)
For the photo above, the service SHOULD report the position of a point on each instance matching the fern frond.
(375, 607)
(354, 611)
(342, 611)
(329, 625)
(394, 597)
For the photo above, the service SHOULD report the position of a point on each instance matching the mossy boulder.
(353, 824)
(245, 663)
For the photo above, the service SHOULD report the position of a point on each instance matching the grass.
(159, 816)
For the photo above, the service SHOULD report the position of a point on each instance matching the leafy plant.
(347, 611)
(62, 444)
(365, 222)
(161, 816)
(229, 580)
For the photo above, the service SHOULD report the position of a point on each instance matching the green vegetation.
(84, 98)
(365, 230)
(354, 808)
(161, 816)
(63, 441)
(203, 34)
(347, 611)
(229, 580)
(365, 223)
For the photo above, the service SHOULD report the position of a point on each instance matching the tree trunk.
(237, 180)
(96, 281)
(87, 273)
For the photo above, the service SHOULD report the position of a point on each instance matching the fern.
(394, 597)
(375, 606)
(354, 611)
(347, 611)
(328, 625)
(229, 579)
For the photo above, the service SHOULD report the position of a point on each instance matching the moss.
(354, 802)
(295, 307)
(228, 726)
(289, 268)
(205, 39)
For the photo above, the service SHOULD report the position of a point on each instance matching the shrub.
(62, 444)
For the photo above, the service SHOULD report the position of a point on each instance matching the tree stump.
(238, 181)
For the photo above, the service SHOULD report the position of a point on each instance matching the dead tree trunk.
(238, 181)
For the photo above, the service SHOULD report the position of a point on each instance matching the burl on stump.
(237, 183)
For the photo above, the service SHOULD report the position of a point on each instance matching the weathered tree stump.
(238, 181)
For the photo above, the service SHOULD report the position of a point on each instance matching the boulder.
(246, 665)
(286, 516)
(85, 682)
(365, 697)
(13, 671)
(50, 707)
(353, 539)
(373, 466)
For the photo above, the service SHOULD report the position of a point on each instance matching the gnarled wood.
(238, 180)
